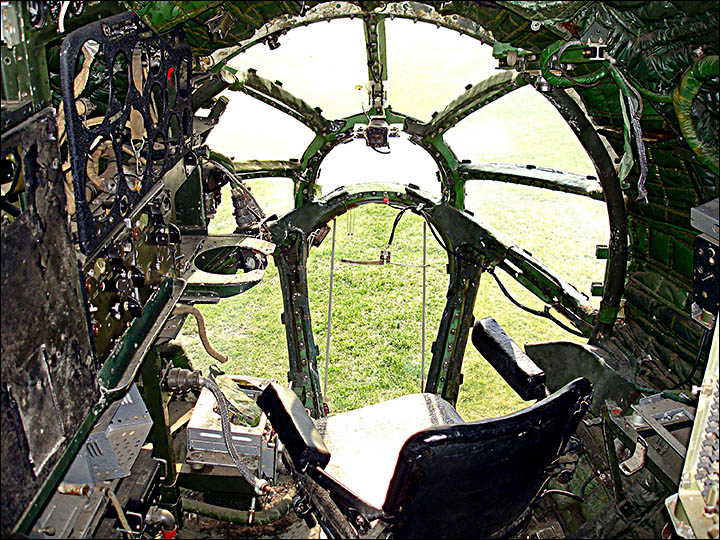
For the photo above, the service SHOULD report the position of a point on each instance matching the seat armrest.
(294, 427)
(509, 360)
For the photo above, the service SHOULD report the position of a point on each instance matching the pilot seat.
(412, 468)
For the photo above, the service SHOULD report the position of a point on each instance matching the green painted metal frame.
(306, 189)
(156, 401)
(528, 175)
(479, 249)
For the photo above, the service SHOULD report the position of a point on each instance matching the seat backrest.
(474, 479)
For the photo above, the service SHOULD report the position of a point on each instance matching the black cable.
(697, 362)
(562, 492)
(509, 297)
(395, 224)
(439, 241)
(587, 482)
(545, 313)
(562, 325)
(379, 152)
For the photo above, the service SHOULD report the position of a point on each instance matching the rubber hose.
(653, 96)
(261, 517)
(701, 70)
(195, 312)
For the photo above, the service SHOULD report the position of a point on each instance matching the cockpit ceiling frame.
(328, 11)
(329, 133)
(430, 136)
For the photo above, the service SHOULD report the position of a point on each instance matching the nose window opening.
(428, 66)
(355, 162)
(322, 63)
(376, 320)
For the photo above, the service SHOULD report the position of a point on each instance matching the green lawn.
(375, 349)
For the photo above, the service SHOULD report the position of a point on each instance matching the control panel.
(706, 275)
(121, 279)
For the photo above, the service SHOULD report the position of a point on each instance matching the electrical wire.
(565, 72)
(588, 481)
(635, 105)
(425, 216)
(260, 486)
(695, 364)
(670, 394)
(562, 492)
(395, 224)
(545, 313)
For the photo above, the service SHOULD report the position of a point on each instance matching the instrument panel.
(118, 151)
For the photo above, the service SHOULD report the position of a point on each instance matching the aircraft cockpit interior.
(288, 269)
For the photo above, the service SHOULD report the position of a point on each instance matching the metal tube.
(329, 317)
(68, 488)
(162, 516)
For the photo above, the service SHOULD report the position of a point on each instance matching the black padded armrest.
(509, 360)
(294, 427)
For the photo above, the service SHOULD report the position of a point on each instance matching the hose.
(650, 95)
(260, 486)
(701, 70)
(261, 517)
(195, 312)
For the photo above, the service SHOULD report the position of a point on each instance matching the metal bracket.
(220, 24)
(654, 411)
(637, 461)
(596, 34)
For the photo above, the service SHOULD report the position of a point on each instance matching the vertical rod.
(156, 400)
(422, 334)
(329, 324)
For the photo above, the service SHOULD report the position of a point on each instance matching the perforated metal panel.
(128, 429)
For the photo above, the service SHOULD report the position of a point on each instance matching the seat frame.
(342, 513)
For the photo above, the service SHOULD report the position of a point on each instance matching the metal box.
(206, 445)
